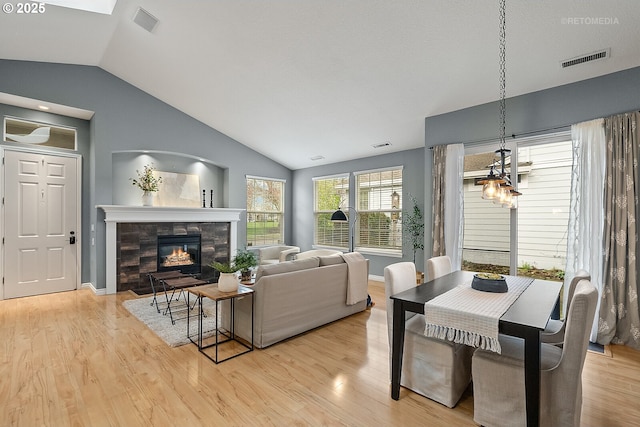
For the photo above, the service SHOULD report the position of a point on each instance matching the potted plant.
(228, 280)
(245, 260)
(147, 183)
(413, 223)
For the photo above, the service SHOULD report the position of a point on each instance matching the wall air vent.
(145, 19)
(595, 56)
(384, 144)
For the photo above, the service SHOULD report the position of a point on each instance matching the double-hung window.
(330, 193)
(265, 211)
(379, 205)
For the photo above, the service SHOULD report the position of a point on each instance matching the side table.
(221, 335)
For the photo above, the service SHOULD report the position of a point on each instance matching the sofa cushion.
(330, 260)
(286, 267)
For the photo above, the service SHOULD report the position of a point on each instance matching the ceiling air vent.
(595, 56)
(145, 19)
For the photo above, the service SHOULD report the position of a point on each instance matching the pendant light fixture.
(497, 185)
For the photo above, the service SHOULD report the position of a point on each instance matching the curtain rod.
(541, 131)
(513, 135)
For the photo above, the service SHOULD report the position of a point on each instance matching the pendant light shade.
(339, 216)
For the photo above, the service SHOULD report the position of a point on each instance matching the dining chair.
(438, 266)
(437, 369)
(498, 379)
(554, 332)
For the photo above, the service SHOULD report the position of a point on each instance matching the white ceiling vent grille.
(145, 19)
(595, 56)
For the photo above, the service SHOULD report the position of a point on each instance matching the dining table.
(525, 318)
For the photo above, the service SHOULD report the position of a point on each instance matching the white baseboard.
(376, 278)
(93, 288)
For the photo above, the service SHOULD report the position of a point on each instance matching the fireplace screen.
(180, 252)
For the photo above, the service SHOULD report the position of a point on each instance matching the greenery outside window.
(379, 204)
(330, 193)
(265, 211)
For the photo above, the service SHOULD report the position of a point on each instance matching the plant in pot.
(148, 183)
(245, 260)
(413, 223)
(228, 280)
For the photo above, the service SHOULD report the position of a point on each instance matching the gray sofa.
(293, 297)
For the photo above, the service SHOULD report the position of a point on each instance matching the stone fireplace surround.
(140, 226)
(137, 249)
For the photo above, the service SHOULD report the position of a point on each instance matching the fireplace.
(131, 243)
(179, 252)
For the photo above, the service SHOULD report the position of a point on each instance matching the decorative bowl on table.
(489, 282)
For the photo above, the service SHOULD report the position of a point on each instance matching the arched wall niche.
(183, 167)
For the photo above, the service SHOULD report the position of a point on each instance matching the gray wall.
(538, 112)
(128, 119)
(412, 182)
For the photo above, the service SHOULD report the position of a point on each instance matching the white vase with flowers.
(148, 183)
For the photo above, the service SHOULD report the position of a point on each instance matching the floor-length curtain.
(586, 211)
(439, 187)
(447, 227)
(454, 204)
(619, 315)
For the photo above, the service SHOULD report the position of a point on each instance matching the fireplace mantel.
(115, 214)
(118, 213)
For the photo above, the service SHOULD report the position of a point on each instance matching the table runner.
(467, 316)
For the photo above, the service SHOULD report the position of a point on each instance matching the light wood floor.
(82, 360)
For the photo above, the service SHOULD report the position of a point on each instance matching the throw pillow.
(331, 260)
(286, 267)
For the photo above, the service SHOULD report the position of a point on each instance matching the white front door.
(40, 249)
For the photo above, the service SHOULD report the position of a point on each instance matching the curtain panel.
(448, 202)
(619, 315)
(586, 209)
(454, 204)
(439, 187)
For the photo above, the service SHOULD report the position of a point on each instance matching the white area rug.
(174, 335)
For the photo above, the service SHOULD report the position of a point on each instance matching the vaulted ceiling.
(297, 79)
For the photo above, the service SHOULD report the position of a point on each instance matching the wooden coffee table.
(220, 335)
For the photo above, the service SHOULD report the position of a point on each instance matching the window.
(531, 239)
(379, 204)
(265, 211)
(39, 134)
(330, 193)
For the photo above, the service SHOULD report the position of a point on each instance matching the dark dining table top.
(531, 309)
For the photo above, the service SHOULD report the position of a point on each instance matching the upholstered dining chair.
(438, 266)
(439, 370)
(498, 379)
(554, 332)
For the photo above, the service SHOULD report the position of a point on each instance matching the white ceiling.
(294, 79)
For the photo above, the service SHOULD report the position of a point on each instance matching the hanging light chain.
(503, 109)
(498, 187)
